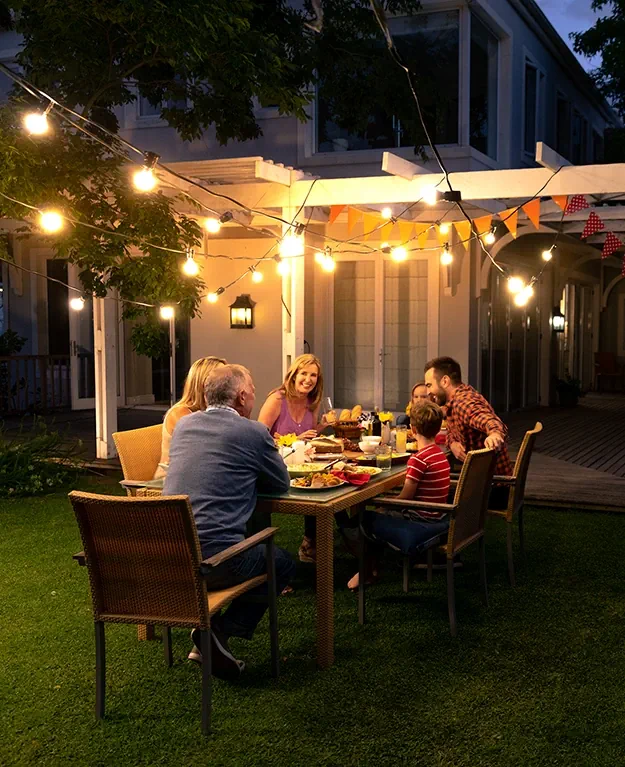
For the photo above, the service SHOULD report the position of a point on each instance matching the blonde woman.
(293, 408)
(192, 399)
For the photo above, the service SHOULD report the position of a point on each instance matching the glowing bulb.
(257, 276)
(444, 228)
(50, 221)
(144, 180)
(167, 312)
(446, 258)
(320, 257)
(429, 195)
(524, 295)
(489, 238)
(384, 246)
(284, 268)
(212, 298)
(387, 213)
(515, 284)
(399, 253)
(190, 266)
(329, 264)
(36, 123)
(77, 304)
(212, 225)
(291, 245)
(547, 255)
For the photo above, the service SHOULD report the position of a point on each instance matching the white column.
(293, 307)
(105, 345)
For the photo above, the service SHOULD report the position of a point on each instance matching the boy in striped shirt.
(427, 479)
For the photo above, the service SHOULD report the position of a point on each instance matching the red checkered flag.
(593, 225)
(611, 245)
(576, 203)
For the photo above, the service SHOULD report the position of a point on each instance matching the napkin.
(352, 478)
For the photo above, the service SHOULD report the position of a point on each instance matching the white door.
(81, 349)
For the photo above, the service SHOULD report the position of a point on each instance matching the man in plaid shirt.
(472, 424)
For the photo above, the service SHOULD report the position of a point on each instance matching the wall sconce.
(242, 312)
(557, 320)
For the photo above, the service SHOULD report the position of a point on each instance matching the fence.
(34, 383)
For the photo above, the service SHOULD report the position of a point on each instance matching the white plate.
(327, 457)
(314, 489)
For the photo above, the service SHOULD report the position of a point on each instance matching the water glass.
(383, 457)
(401, 437)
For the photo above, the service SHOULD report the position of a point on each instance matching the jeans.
(242, 617)
(406, 535)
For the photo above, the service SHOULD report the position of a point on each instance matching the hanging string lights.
(446, 256)
(212, 298)
(51, 221)
(399, 253)
(190, 266)
(256, 275)
(77, 304)
(167, 312)
(547, 255)
(36, 123)
(144, 179)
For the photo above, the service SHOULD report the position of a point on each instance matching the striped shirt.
(429, 468)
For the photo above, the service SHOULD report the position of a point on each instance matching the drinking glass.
(383, 457)
(401, 437)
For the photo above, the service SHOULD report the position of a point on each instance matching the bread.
(327, 445)
(346, 415)
(356, 412)
(331, 417)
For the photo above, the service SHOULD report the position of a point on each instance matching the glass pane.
(354, 334)
(405, 329)
(499, 309)
(483, 107)
(532, 352)
(531, 79)
(148, 110)
(85, 350)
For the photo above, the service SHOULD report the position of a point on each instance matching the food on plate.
(346, 415)
(349, 445)
(331, 416)
(301, 469)
(372, 470)
(317, 480)
(327, 445)
(412, 447)
(356, 412)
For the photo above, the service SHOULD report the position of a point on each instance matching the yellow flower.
(385, 417)
(287, 440)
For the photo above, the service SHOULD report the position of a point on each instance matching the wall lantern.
(242, 312)
(557, 321)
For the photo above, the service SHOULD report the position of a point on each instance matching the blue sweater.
(220, 460)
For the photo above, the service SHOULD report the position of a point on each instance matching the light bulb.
(489, 238)
(50, 221)
(399, 253)
(190, 266)
(167, 312)
(291, 245)
(36, 123)
(257, 276)
(515, 284)
(144, 180)
(77, 304)
(524, 295)
(212, 225)
(444, 228)
(284, 268)
(384, 246)
(446, 258)
(212, 298)
(320, 257)
(547, 255)
(429, 195)
(387, 212)
(329, 264)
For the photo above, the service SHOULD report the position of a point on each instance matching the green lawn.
(537, 679)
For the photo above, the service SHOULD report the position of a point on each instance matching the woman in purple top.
(293, 408)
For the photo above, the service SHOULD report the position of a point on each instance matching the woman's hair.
(193, 395)
(416, 386)
(288, 386)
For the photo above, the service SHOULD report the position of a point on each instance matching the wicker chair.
(516, 494)
(467, 517)
(139, 452)
(144, 563)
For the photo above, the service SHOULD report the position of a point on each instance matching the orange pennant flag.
(335, 212)
(510, 218)
(483, 224)
(353, 217)
(463, 228)
(385, 231)
(561, 200)
(532, 210)
(443, 232)
(422, 231)
(370, 221)
(405, 230)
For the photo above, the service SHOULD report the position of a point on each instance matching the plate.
(371, 470)
(302, 469)
(315, 489)
(396, 457)
(328, 457)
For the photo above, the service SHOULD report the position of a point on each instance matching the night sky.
(570, 16)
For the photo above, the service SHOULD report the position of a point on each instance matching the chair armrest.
(384, 500)
(238, 548)
(503, 479)
(80, 558)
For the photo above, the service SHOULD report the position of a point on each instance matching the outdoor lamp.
(557, 320)
(242, 312)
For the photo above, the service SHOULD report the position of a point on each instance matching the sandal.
(307, 551)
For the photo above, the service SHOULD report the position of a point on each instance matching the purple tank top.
(286, 425)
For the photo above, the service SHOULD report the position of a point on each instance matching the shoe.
(223, 663)
(307, 551)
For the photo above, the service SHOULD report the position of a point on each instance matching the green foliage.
(11, 343)
(36, 462)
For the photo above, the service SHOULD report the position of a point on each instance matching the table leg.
(145, 632)
(325, 590)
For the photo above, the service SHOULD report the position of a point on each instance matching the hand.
(494, 441)
(310, 434)
(458, 450)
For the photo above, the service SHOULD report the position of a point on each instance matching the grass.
(534, 680)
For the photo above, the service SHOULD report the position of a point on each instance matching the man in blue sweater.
(220, 458)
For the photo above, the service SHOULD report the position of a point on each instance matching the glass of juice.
(383, 457)
(401, 437)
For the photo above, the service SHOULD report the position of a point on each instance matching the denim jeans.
(407, 535)
(242, 617)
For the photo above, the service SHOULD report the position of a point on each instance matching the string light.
(547, 255)
(429, 195)
(328, 264)
(387, 213)
(291, 245)
(77, 304)
(144, 179)
(524, 295)
(256, 275)
(167, 312)
(51, 221)
(212, 297)
(399, 253)
(515, 284)
(489, 237)
(446, 256)
(36, 123)
(190, 266)
(283, 267)
(444, 228)
(319, 257)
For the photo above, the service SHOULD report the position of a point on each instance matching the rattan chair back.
(143, 557)
(471, 499)
(521, 467)
(139, 451)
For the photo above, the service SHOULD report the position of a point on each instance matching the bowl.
(368, 448)
(374, 440)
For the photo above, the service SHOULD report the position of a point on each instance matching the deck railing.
(34, 383)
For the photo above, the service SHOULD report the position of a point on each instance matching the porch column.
(105, 345)
(293, 303)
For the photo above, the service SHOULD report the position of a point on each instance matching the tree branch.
(119, 79)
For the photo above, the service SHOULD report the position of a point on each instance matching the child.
(427, 479)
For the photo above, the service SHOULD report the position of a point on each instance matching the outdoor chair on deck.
(139, 452)
(467, 515)
(516, 494)
(145, 566)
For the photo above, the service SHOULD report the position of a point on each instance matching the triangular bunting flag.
(611, 245)
(510, 218)
(532, 211)
(464, 232)
(335, 212)
(561, 200)
(370, 221)
(483, 224)
(443, 232)
(422, 231)
(385, 231)
(576, 203)
(353, 217)
(593, 225)
(405, 230)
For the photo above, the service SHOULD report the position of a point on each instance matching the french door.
(81, 349)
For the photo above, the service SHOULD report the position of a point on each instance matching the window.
(483, 78)
(531, 107)
(598, 148)
(579, 140)
(429, 43)
(145, 110)
(563, 127)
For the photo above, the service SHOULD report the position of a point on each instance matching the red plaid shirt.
(470, 419)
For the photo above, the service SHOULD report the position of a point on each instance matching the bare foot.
(352, 583)
(371, 578)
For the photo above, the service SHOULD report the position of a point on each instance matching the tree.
(205, 65)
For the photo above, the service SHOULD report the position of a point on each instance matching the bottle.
(376, 425)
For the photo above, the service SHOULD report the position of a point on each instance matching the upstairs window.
(484, 79)
(563, 127)
(579, 140)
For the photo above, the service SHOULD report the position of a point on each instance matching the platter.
(315, 489)
(302, 469)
